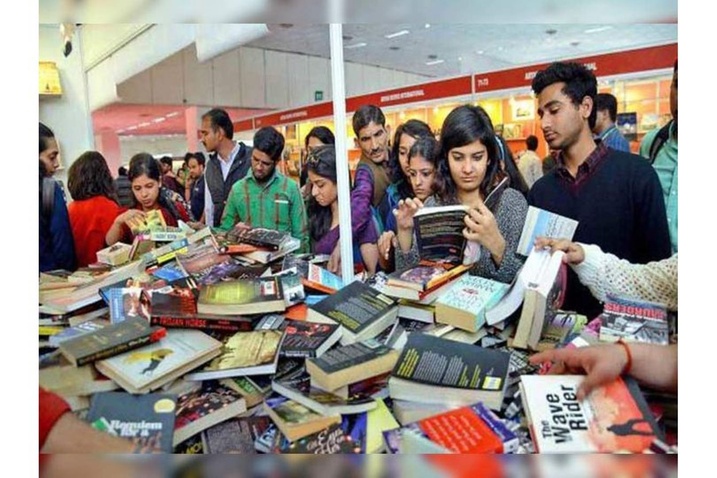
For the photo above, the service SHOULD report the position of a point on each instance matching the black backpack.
(660, 138)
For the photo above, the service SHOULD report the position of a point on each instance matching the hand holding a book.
(481, 227)
(601, 364)
(574, 253)
(133, 218)
(407, 208)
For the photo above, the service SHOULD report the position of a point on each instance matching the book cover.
(244, 353)
(612, 418)
(299, 389)
(379, 420)
(426, 275)
(202, 260)
(634, 321)
(147, 420)
(320, 279)
(77, 330)
(348, 356)
(236, 435)
(433, 369)
(355, 307)
(197, 411)
(128, 302)
(295, 420)
(439, 233)
(148, 366)
(112, 340)
(329, 441)
(268, 238)
(540, 222)
(307, 339)
(248, 296)
(465, 303)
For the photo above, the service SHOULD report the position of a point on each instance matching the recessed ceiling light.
(480, 52)
(500, 48)
(574, 43)
(460, 58)
(598, 29)
(432, 57)
(551, 31)
(397, 34)
(434, 62)
(427, 25)
(394, 48)
(355, 45)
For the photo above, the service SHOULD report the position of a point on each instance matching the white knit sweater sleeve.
(604, 274)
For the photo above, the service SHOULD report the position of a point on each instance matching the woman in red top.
(94, 207)
(146, 179)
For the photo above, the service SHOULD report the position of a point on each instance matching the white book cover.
(540, 222)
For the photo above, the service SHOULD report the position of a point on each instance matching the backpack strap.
(660, 138)
(48, 196)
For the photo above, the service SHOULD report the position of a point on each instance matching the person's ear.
(586, 106)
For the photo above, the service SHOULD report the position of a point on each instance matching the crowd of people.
(625, 204)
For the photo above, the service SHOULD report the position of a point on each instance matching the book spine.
(200, 324)
(153, 336)
(298, 353)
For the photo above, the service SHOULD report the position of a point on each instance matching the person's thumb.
(592, 381)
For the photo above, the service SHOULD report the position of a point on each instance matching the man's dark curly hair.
(579, 83)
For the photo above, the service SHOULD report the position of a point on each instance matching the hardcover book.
(112, 340)
(197, 411)
(351, 363)
(361, 310)
(244, 353)
(146, 420)
(150, 367)
(307, 339)
(612, 418)
(634, 321)
(465, 303)
(238, 297)
(435, 370)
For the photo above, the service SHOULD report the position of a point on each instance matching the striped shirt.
(275, 204)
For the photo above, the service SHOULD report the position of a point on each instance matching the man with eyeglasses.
(266, 198)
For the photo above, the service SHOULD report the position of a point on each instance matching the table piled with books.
(235, 343)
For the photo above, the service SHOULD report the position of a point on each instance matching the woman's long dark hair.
(465, 125)
(415, 129)
(89, 176)
(45, 134)
(322, 133)
(322, 162)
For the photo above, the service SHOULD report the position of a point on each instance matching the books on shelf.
(351, 363)
(148, 368)
(110, 340)
(146, 420)
(202, 409)
(634, 321)
(242, 297)
(359, 309)
(545, 278)
(244, 353)
(539, 222)
(435, 370)
(612, 418)
(465, 303)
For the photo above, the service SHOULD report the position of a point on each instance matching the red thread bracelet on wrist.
(628, 365)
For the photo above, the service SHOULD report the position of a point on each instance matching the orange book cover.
(461, 431)
(296, 312)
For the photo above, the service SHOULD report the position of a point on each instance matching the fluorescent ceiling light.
(355, 45)
(434, 62)
(397, 34)
(598, 29)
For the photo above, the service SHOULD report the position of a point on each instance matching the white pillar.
(342, 161)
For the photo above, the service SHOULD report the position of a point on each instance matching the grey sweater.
(510, 216)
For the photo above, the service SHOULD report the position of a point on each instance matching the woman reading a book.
(468, 169)
(149, 195)
(94, 206)
(421, 168)
(323, 211)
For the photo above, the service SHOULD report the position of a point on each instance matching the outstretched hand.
(404, 212)
(601, 364)
(574, 253)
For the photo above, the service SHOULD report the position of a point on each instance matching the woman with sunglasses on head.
(323, 210)
(468, 169)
